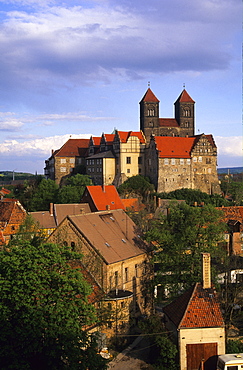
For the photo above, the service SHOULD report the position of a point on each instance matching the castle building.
(165, 149)
(182, 125)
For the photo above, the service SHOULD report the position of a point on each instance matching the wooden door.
(201, 351)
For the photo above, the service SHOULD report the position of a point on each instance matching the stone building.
(114, 256)
(12, 215)
(182, 162)
(151, 124)
(62, 161)
(196, 320)
(165, 149)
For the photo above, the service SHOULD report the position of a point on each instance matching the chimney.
(51, 209)
(108, 207)
(206, 270)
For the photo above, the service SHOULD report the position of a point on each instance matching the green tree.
(73, 189)
(192, 196)
(44, 308)
(30, 231)
(136, 186)
(178, 241)
(45, 194)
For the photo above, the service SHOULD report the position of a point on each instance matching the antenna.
(148, 83)
(184, 85)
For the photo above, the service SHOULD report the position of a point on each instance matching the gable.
(196, 308)
(103, 197)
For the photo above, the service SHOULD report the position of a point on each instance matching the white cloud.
(37, 147)
(230, 146)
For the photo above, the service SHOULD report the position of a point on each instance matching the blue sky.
(81, 67)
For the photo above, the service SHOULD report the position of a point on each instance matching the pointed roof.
(103, 197)
(149, 97)
(73, 148)
(196, 308)
(125, 135)
(112, 234)
(184, 98)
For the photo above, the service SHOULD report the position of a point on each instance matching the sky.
(79, 68)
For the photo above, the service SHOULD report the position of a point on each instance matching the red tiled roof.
(109, 138)
(132, 204)
(232, 213)
(124, 136)
(196, 308)
(72, 148)
(4, 191)
(168, 122)
(185, 97)
(96, 140)
(150, 97)
(105, 196)
(174, 147)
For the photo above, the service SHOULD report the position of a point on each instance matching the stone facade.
(182, 125)
(176, 162)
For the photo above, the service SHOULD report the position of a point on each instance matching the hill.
(231, 170)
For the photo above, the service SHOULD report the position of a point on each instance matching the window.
(63, 160)
(140, 160)
(136, 270)
(209, 170)
(126, 274)
(128, 170)
(172, 160)
(166, 161)
(63, 169)
(72, 245)
(72, 160)
(188, 161)
(116, 278)
(194, 159)
(128, 160)
(199, 159)
(181, 160)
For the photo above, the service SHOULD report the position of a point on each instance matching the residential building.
(182, 162)
(197, 323)
(116, 257)
(233, 216)
(101, 198)
(62, 161)
(49, 220)
(12, 215)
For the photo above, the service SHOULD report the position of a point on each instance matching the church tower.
(149, 114)
(184, 114)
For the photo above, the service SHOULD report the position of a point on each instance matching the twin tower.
(182, 125)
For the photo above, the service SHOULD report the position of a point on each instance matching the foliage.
(163, 351)
(178, 241)
(234, 346)
(28, 231)
(234, 189)
(44, 306)
(73, 189)
(45, 194)
(192, 196)
(136, 185)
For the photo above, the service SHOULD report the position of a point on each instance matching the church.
(165, 149)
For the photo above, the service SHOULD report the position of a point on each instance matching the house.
(49, 220)
(62, 161)
(12, 215)
(4, 192)
(114, 254)
(182, 162)
(196, 321)
(233, 216)
(101, 198)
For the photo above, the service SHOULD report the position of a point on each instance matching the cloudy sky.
(81, 67)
